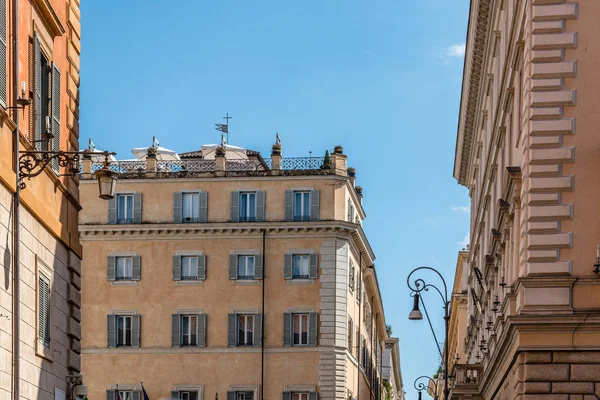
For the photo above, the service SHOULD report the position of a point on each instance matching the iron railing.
(244, 165)
(299, 163)
(186, 166)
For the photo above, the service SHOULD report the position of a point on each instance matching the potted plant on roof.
(152, 151)
(326, 161)
(220, 151)
(338, 150)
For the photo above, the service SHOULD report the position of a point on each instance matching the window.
(125, 394)
(248, 206)
(188, 395)
(300, 329)
(44, 310)
(299, 395)
(350, 335)
(245, 267)
(301, 206)
(123, 331)
(189, 330)
(301, 266)
(244, 395)
(350, 211)
(124, 268)
(189, 267)
(125, 208)
(351, 276)
(190, 207)
(245, 325)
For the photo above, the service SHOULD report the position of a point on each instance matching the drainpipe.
(262, 330)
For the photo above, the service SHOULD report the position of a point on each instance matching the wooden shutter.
(257, 330)
(136, 395)
(313, 396)
(232, 336)
(37, 93)
(312, 325)
(286, 396)
(177, 214)
(349, 211)
(110, 394)
(314, 205)
(260, 206)
(314, 265)
(235, 206)
(176, 268)
(230, 395)
(233, 266)
(201, 330)
(111, 322)
(111, 271)
(137, 268)
(202, 267)
(287, 329)
(287, 266)
(175, 395)
(203, 205)
(112, 210)
(258, 266)
(351, 276)
(289, 205)
(135, 330)
(175, 330)
(3, 65)
(137, 208)
(55, 110)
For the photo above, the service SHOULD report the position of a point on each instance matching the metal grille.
(244, 165)
(186, 166)
(122, 167)
(299, 163)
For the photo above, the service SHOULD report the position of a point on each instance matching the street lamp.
(418, 286)
(420, 386)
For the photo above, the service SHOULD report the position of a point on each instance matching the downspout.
(359, 294)
(372, 339)
(16, 315)
(262, 330)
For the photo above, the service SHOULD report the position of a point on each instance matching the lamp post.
(420, 386)
(419, 285)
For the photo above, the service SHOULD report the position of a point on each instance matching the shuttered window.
(125, 208)
(350, 335)
(351, 276)
(44, 310)
(189, 268)
(184, 395)
(302, 205)
(245, 330)
(299, 396)
(248, 206)
(300, 329)
(123, 394)
(240, 395)
(300, 266)
(55, 115)
(124, 330)
(124, 268)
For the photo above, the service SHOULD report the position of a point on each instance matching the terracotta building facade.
(527, 152)
(219, 273)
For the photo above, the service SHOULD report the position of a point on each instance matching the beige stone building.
(527, 152)
(220, 273)
(39, 294)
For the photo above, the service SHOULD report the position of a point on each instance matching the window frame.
(124, 318)
(302, 216)
(302, 395)
(248, 209)
(247, 277)
(246, 330)
(125, 220)
(43, 270)
(193, 209)
(304, 255)
(181, 333)
(300, 316)
(191, 277)
(123, 278)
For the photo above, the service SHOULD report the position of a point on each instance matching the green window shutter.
(136, 395)
(111, 339)
(137, 208)
(135, 330)
(203, 205)
(177, 200)
(137, 268)
(289, 205)
(313, 396)
(233, 266)
(258, 330)
(235, 206)
(112, 210)
(286, 396)
(37, 93)
(287, 266)
(110, 394)
(287, 329)
(230, 395)
(176, 268)
(314, 266)
(315, 198)
(260, 206)
(3, 66)
(202, 267)
(55, 109)
(312, 325)
(258, 266)
(232, 319)
(175, 395)
(201, 330)
(175, 331)
(111, 268)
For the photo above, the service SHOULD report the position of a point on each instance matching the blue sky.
(380, 77)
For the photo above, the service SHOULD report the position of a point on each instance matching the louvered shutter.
(203, 205)
(314, 266)
(313, 396)
(289, 205)
(112, 210)
(257, 330)
(232, 330)
(201, 330)
(258, 266)
(110, 394)
(44, 311)
(315, 199)
(37, 93)
(137, 208)
(176, 268)
(287, 329)
(230, 395)
(177, 200)
(260, 206)
(175, 330)
(233, 266)
(135, 330)
(201, 267)
(175, 395)
(111, 322)
(55, 109)
(136, 394)
(351, 276)
(312, 325)
(111, 271)
(286, 396)
(235, 206)
(287, 266)
(137, 268)
(3, 66)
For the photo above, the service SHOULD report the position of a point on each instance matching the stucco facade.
(527, 151)
(300, 317)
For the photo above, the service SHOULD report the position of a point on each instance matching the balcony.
(466, 381)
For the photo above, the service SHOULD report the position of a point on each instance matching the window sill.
(190, 282)
(300, 281)
(124, 283)
(245, 282)
(43, 351)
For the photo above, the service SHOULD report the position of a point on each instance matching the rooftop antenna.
(310, 154)
(224, 127)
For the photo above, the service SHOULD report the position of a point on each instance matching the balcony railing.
(466, 379)
(185, 166)
(299, 163)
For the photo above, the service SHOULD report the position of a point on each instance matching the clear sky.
(380, 77)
